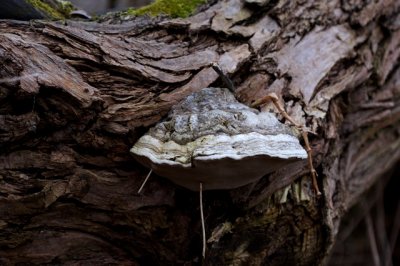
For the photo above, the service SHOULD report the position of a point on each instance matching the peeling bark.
(75, 96)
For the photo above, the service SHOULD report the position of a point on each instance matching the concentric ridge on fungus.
(212, 138)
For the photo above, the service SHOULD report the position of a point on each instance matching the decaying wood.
(75, 96)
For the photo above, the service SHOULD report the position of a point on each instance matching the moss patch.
(46, 9)
(65, 7)
(172, 8)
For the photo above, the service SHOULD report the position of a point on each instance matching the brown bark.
(75, 97)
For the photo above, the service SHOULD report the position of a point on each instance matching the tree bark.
(75, 96)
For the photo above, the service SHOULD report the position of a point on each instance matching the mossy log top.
(60, 9)
(35, 9)
(172, 8)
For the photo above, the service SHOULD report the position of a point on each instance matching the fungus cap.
(212, 138)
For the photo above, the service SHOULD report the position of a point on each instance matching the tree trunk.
(75, 96)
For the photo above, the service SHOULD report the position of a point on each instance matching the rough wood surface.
(75, 96)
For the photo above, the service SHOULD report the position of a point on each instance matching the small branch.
(372, 240)
(202, 221)
(272, 97)
(395, 229)
(145, 181)
(382, 237)
(228, 82)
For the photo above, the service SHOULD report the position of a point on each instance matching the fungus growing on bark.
(211, 138)
(211, 141)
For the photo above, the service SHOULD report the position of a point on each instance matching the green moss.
(46, 9)
(66, 7)
(173, 8)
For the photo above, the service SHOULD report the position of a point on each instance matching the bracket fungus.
(212, 139)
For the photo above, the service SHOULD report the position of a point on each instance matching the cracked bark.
(76, 96)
